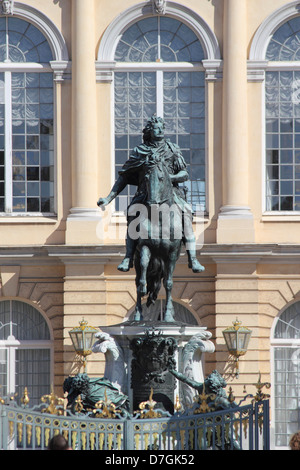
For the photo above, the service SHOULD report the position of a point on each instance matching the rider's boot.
(190, 244)
(194, 264)
(127, 262)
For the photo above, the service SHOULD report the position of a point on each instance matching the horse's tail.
(154, 276)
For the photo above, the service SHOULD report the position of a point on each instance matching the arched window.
(25, 351)
(26, 119)
(286, 375)
(159, 70)
(282, 97)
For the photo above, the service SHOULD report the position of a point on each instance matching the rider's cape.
(172, 157)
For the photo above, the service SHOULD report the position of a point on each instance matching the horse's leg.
(168, 285)
(138, 314)
(145, 256)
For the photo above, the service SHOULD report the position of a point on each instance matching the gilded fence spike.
(105, 408)
(25, 398)
(202, 399)
(147, 408)
(259, 386)
(55, 404)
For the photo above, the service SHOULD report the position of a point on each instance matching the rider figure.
(155, 145)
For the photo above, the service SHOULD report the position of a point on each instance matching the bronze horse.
(160, 237)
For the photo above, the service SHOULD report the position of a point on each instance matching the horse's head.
(157, 181)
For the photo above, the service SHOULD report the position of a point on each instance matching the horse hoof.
(169, 317)
(125, 265)
(137, 316)
(196, 267)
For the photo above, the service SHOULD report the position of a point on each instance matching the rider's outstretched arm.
(117, 188)
(180, 177)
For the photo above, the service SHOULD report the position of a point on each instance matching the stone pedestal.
(143, 354)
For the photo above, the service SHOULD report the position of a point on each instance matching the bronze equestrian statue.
(160, 210)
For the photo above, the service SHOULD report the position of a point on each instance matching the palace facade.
(78, 81)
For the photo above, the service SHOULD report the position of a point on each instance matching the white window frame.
(11, 344)
(60, 67)
(257, 67)
(277, 343)
(8, 68)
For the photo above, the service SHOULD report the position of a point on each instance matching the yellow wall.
(77, 276)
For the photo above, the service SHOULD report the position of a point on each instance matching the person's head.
(154, 130)
(295, 441)
(58, 442)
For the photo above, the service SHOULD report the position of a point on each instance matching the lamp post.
(237, 339)
(82, 338)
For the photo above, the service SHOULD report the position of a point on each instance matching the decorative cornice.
(112, 254)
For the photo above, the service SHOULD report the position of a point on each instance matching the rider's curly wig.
(147, 129)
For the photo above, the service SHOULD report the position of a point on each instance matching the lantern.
(237, 339)
(83, 339)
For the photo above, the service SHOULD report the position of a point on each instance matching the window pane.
(282, 139)
(32, 136)
(5, 320)
(189, 134)
(286, 391)
(3, 373)
(288, 325)
(159, 38)
(135, 102)
(32, 365)
(169, 40)
(285, 44)
(28, 323)
(33, 372)
(2, 149)
(26, 43)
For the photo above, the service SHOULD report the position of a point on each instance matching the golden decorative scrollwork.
(25, 398)
(259, 386)
(177, 405)
(202, 400)
(149, 413)
(55, 404)
(105, 408)
(78, 404)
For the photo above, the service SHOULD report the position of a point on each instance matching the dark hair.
(147, 129)
(295, 441)
(58, 442)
